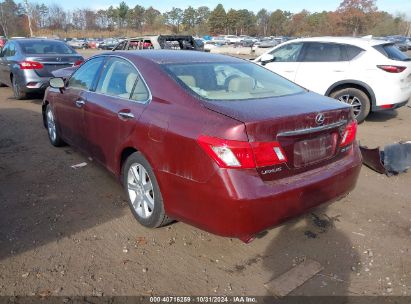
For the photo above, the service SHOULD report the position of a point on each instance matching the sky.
(391, 6)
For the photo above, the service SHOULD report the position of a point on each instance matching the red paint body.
(229, 202)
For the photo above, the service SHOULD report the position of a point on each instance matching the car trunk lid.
(52, 63)
(308, 127)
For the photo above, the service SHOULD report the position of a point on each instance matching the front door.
(112, 111)
(69, 105)
(285, 61)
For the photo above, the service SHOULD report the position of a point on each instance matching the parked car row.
(171, 42)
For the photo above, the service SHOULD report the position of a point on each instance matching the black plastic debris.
(394, 159)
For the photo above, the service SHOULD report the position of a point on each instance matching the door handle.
(289, 71)
(80, 103)
(125, 115)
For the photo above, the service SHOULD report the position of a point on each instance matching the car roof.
(357, 41)
(35, 40)
(178, 56)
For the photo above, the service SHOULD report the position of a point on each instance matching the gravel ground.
(70, 232)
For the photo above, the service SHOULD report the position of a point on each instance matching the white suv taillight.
(392, 68)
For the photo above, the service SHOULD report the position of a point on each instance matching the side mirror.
(266, 58)
(57, 83)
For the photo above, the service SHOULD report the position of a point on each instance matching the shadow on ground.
(42, 199)
(314, 236)
(382, 116)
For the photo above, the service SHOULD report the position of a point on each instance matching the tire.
(18, 94)
(357, 98)
(144, 195)
(52, 129)
(2, 85)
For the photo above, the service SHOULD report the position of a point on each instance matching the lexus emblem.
(319, 119)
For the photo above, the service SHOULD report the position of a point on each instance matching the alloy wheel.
(16, 88)
(140, 190)
(354, 102)
(51, 125)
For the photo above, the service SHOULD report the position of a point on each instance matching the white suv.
(369, 74)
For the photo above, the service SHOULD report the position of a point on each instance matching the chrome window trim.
(312, 130)
(150, 96)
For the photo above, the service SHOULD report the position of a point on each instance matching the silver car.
(26, 64)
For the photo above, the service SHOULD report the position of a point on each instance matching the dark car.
(211, 140)
(26, 65)
(400, 42)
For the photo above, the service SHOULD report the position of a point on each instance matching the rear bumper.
(238, 203)
(393, 106)
(29, 81)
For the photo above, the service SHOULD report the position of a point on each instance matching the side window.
(121, 79)
(352, 51)
(147, 44)
(287, 53)
(120, 46)
(323, 52)
(132, 45)
(84, 77)
(12, 50)
(6, 50)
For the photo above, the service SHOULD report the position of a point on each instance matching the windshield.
(45, 47)
(231, 81)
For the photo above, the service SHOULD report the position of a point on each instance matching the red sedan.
(215, 141)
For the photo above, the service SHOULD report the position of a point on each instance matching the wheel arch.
(125, 153)
(350, 83)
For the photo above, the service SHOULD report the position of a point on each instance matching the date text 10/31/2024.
(203, 299)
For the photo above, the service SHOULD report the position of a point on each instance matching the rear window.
(45, 47)
(231, 81)
(392, 52)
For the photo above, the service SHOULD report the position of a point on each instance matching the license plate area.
(313, 150)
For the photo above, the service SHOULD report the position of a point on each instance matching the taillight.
(348, 136)
(30, 65)
(392, 68)
(78, 62)
(242, 154)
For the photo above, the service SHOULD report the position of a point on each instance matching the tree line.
(351, 17)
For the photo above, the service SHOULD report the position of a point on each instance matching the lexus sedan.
(26, 65)
(218, 142)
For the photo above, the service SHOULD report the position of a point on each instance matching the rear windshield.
(45, 47)
(392, 52)
(231, 81)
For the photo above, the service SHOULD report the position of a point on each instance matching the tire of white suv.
(357, 99)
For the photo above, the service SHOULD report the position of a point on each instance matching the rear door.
(322, 65)
(69, 105)
(286, 60)
(113, 109)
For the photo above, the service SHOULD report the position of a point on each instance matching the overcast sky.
(391, 6)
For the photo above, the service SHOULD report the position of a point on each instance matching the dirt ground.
(68, 232)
